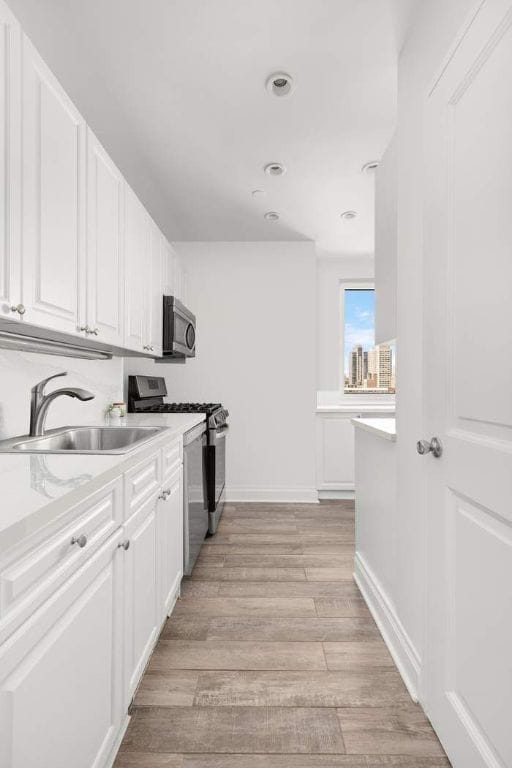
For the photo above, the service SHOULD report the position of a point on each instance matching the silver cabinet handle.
(147, 347)
(85, 329)
(95, 331)
(434, 447)
(89, 331)
(80, 540)
(124, 545)
(164, 495)
(19, 308)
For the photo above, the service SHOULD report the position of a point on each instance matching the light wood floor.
(271, 659)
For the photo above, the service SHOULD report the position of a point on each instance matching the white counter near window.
(335, 442)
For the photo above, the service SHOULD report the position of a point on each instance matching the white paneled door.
(468, 326)
(104, 318)
(10, 119)
(54, 170)
(137, 272)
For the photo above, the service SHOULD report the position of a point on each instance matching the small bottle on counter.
(116, 411)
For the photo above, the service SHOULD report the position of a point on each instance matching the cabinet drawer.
(141, 483)
(25, 584)
(172, 456)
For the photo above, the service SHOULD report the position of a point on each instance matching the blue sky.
(359, 321)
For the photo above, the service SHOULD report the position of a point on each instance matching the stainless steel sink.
(110, 440)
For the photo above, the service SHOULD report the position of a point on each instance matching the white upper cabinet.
(155, 291)
(104, 317)
(168, 262)
(10, 167)
(91, 262)
(137, 272)
(54, 171)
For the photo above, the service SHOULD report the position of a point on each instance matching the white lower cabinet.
(140, 593)
(335, 450)
(61, 675)
(170, 543)
(71, 660)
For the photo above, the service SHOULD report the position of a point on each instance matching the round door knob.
(124, 545)
(434, 447)
(19, 308)
(80, 540)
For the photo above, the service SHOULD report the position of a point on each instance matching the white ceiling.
(175, 91)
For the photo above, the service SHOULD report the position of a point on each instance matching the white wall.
(386, 231)
(331, 272)
(435, 25)
(256, 339)
(19, 371)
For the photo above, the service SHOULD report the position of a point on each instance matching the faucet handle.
(38, 388)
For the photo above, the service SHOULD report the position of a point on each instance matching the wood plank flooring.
(272, 660)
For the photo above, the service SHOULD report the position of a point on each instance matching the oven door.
(216, 475)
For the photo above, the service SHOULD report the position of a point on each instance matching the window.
(368, 368)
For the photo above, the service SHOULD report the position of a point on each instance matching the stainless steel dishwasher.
(195, 505)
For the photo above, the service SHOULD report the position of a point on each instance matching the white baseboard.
(396, 638)
(269, 495)
(336, 494)
(117, 743)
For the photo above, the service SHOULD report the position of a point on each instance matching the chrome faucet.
(40, 402)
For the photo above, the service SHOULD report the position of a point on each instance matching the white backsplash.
(19, 371)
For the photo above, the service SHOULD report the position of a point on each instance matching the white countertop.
(357, 408)
(36, 488)
(383, 427)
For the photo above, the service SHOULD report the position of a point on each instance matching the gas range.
(146, 394)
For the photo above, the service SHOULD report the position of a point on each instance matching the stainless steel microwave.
(179, 331)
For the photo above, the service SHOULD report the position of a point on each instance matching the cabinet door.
(170, 543)
(137, 261)
(54, 164)
(105, 257)
(335, 452)
(141, 623)
(156, 292)
(168, 264)
(10, 167)
(60, 673)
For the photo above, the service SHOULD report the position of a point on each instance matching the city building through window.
(368, 368)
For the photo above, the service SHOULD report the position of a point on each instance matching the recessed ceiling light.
(370, 167)
(348, 215)
(271, 216)
(258, 193)
(274, 169)
(279, 84)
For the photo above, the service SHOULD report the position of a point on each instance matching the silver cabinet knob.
(164, 495)
(19, 308)
(434, 447)
(124, 545)
(146, 347)
(80, 540)
(95, 331)
(85, 329)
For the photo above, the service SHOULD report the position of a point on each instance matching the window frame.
(360, 398)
